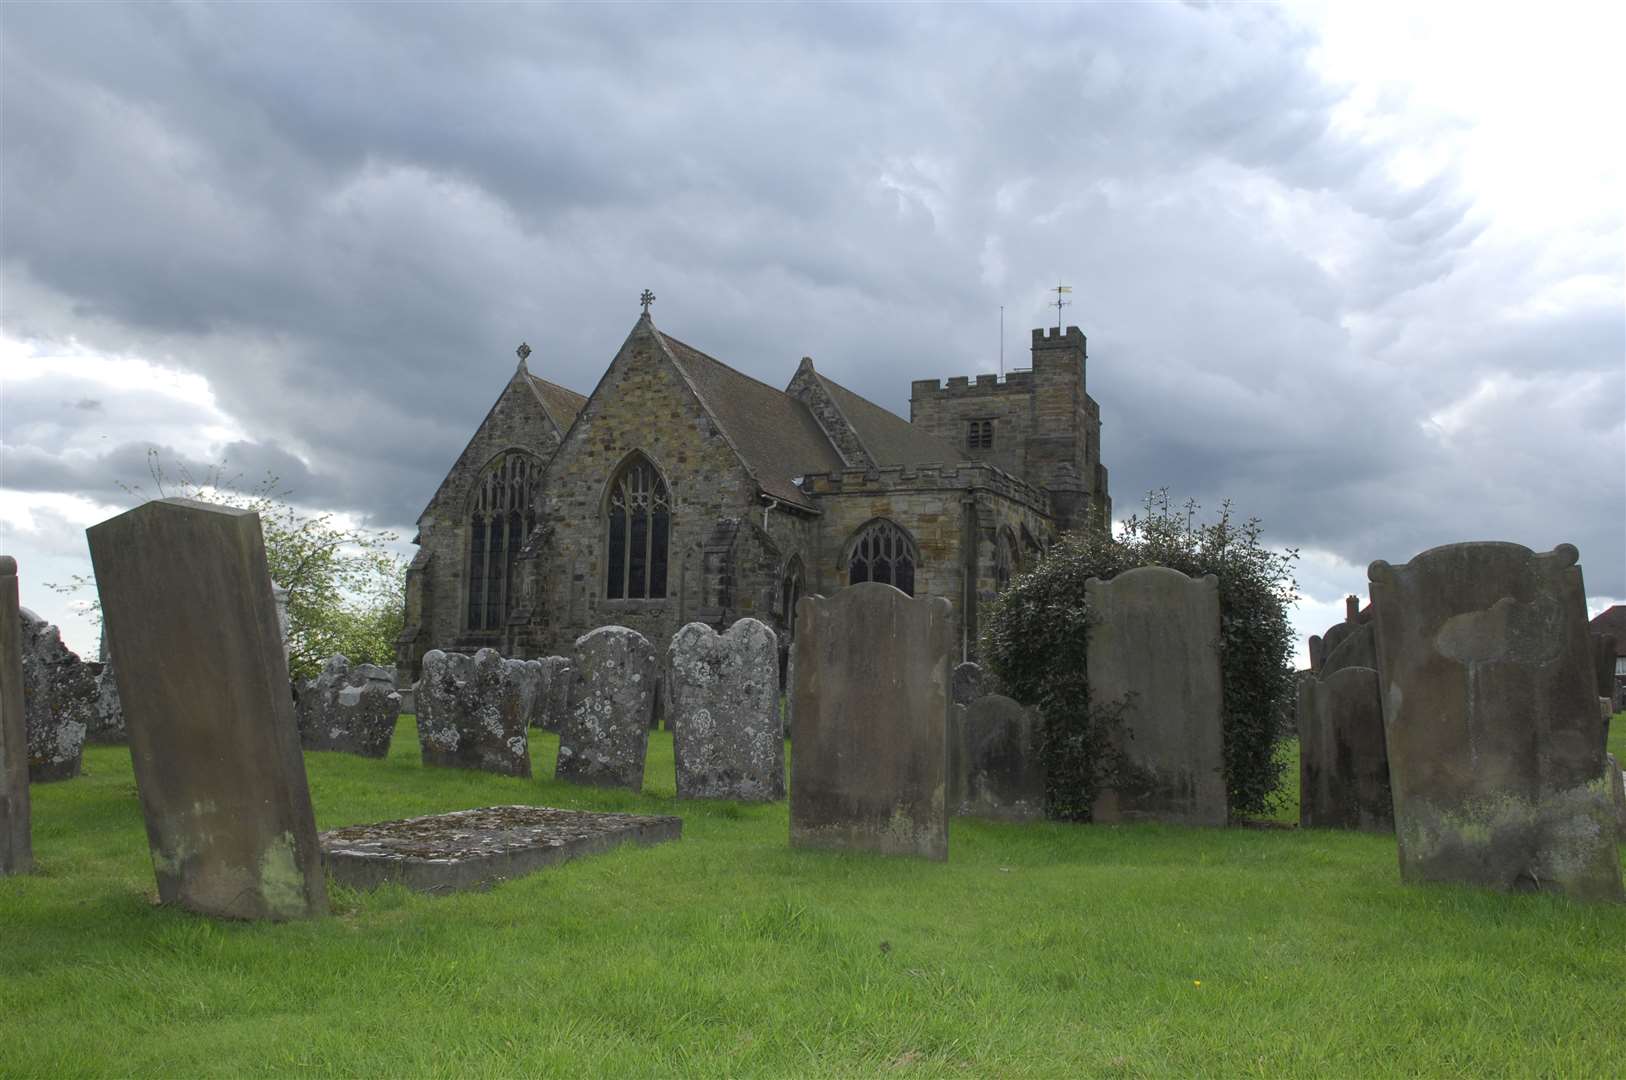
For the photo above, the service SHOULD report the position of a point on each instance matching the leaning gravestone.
(967, 683)
(471, 713)
(1491, 721)
(187, 604)
(1343, 766)
(868, 771)
(59, 701)
(997, 772)
(1154, 646)
(605, 737)
(16, 835)
(349, 709)
(723, 710)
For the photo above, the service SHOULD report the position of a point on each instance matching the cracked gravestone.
(869, 765)
(1154, 649)
(1491, 721)
(204, 684)
(59, 701)
(471, 714)
(605, 736)
(724, 712)
(349, 709)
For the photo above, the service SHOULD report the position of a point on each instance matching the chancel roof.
(889, 438)
(561, 404)
(774, 434)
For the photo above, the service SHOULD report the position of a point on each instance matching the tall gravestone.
(472, 713)
(1343, 763)
(556, 678)
(723, 709)
(995, 760)
(187, 604)
(1154, 647)
(16, 835)
(1491, 721)
(59, 701)
(869, 767)
(606, 736)
(348, 709)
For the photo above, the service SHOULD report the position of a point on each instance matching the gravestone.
(471, 714)
(557, 673)
(606, 734)
(967, 683)
(529, 679)
(1603, 663)
(869, 767)
(1617, 794)
(1154, 647)
(16, 830)
(1343, 766)
(723, 710)
(1491, 721)
(59, 701)
(349, 709)
(1358, 648)
(995, 760)
(187, 604)
(107, 719)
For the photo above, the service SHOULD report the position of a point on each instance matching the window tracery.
(638, 533)
(503, 513)
(883, 552)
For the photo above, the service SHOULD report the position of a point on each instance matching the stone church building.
(681, 489)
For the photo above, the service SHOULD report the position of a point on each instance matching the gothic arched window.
(883, 552)
(1004, 559)
(502, 515)
(639, 532)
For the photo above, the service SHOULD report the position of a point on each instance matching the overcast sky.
(1357, 268)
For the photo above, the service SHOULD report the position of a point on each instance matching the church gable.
(516, 420)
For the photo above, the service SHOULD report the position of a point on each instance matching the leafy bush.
(1035, 636)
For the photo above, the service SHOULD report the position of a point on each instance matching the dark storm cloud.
(346, 217)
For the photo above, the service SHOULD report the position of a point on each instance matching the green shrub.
(1035, 635)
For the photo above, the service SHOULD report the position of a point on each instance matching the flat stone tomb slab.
(475, 849)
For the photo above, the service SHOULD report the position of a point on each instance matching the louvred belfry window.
(639, 533)
(503, 515)
(883, 553)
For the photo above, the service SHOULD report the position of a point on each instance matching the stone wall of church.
(946, 410)
(644, 406)
(437, 599)
(950, 512)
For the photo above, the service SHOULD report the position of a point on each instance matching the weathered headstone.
(1491, 721)
(1343, 767)
(723, 692)
(995, 756)
(557, 673)
(349, 709)
(1603, 663)
(107, 723)
(187, 603)
(1357, 648)
(1617, 795)
(471, 714)
(16, 830)
(1154, 647)
(530, 682)
(59, 701)
(869, 767)
(606, 735)
(967, 683)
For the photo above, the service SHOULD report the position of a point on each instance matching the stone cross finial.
(522, 352)
(646, 299)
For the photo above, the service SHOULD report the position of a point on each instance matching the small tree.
(1036, 633)
(346, 589)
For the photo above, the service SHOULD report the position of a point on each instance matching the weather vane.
(522, 352)
(646, 299)
(1060, 303)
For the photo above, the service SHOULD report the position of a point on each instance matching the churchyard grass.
(1041, 950)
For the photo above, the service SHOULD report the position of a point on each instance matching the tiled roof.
(889, 438)
(774, 434)
(562, 404)
(1612, 621)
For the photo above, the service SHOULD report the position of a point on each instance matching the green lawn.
(1041, 950)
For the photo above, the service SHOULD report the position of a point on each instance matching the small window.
(883, 553)
(979, 435)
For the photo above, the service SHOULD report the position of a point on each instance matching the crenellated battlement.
(961, 386)
(953, 476)
(1048, 337)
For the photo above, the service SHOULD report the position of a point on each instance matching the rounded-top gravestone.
(605, 736)
(723, 710)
